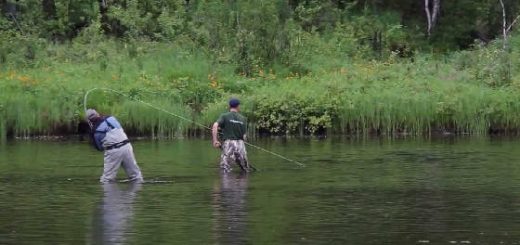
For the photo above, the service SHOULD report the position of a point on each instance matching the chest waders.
(118, 153)
(114, 138)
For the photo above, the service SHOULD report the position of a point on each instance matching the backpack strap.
(108, 124)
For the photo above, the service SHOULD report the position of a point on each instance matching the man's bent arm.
(96, 141)
(214, 132)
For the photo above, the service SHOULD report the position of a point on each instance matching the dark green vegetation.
(452, 191)
(301, 67)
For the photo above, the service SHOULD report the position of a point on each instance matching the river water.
(377, 191)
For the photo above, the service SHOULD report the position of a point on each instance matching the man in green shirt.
(233, 126)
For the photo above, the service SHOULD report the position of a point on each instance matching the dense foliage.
(301, 66)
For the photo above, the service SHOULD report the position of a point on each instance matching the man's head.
(91, 114)
(234, 103)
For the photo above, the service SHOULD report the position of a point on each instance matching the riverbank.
(463, 93)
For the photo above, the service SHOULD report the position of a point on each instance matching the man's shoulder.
(113, 122)
(225, 114)
(237, 114)
(242, 117)
(232, 115)
(111, 119)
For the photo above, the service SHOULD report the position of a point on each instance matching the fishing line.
(85, 99)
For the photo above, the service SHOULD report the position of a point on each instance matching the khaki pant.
(234, 151)
(115, 158)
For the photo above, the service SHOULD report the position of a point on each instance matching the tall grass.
(329, 94)
(48, 98)
(427, 96)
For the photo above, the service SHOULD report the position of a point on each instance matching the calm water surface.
(444, 191)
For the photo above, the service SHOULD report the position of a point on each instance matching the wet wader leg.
(240, 162)
(130, 164)
(226, 157)
(244, 164)
(241, 157)
(112, 162)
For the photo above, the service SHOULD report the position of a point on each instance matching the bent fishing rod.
(85, 99)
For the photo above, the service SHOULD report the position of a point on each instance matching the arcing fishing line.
(184, 118)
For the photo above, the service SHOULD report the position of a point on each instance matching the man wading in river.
(108, 135)
(233, 126)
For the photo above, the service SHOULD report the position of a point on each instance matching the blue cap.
(234, 102)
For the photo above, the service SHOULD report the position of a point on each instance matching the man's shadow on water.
(113, 216)
(230, 209)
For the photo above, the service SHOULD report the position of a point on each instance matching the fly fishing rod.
(85, 99)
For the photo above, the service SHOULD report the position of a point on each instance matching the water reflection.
(402, 192)
(113, 217)
(230, 209)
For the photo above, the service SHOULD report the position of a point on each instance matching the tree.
(8, 8)
(506, 29)
(49, 9)
(432, 13)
